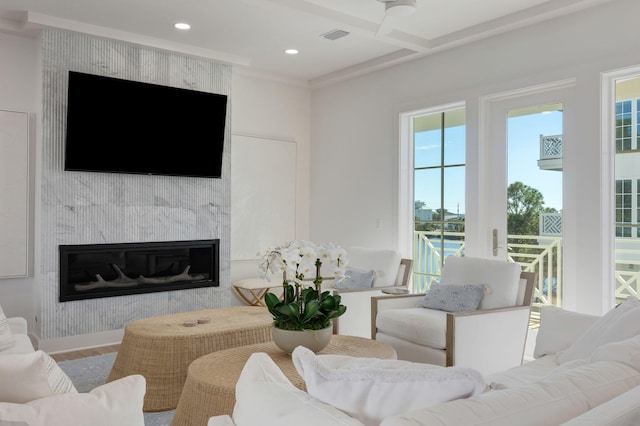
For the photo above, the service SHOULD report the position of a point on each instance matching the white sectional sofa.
(22, 342)
(35, 391)
(586, 372)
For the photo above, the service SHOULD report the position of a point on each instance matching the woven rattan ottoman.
(211, 380)
(161, 348)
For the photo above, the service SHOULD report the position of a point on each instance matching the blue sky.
(523, 152)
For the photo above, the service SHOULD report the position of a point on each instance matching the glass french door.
(520, 184)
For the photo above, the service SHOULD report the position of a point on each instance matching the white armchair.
(490, 339)
(391, 272)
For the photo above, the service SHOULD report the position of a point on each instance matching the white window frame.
(608, 179)
(406, 170)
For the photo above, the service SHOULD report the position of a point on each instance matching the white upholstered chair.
(490, 339)
(391, 271)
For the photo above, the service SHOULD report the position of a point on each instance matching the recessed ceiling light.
(291, 51)
(182, 26)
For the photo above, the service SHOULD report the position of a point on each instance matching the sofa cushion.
(529, 372)
(453, 298)
(33, 375)
(552, 400)
(6, 336)
(115, 403)
(372, 389)
(355, 278)
(622, 410)
(502, 278)
(17, 325)
(264, 396)
(23, 345)
(618, 324)
(385, 262)
(559, 329)
(426, 327)
(625, 351)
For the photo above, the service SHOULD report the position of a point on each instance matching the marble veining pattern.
(88, 208)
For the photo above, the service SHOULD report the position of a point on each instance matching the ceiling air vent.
(335, 34)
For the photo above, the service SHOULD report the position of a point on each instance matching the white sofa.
(22, 342)
(35, 391)
(586, 372)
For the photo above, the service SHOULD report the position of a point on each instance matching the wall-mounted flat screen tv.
(123, 126)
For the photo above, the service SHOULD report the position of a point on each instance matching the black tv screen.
(123, 126)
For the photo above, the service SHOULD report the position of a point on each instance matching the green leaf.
(310, 310)
(289, 295)
(292, 310)
(271, 300)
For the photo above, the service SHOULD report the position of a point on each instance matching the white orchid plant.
(303, 306)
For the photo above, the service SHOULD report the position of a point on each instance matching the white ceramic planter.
(315, 340)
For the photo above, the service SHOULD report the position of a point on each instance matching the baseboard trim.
(80, 342)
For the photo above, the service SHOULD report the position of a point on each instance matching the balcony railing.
(550, 147)
(540, 254)
(536, 253)
(550, 152)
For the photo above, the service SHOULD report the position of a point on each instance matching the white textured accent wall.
(93, 208)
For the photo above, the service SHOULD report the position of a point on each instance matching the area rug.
(88, 373)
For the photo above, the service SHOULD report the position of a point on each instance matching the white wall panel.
(263, 194)
(14, 194)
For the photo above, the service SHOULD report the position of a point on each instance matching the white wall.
(269, 109)
(355, 133)
(18, 76)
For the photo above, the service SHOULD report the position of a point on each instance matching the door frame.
(490, 204)
(608, 179)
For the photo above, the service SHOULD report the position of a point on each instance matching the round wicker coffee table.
(161, 348)
(211, 379)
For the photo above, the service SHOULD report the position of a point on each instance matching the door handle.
(494, 234)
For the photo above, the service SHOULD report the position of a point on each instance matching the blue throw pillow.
(453, 298)
(354, 278)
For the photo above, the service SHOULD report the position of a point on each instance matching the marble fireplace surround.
(109, 208)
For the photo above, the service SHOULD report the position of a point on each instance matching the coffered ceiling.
(253, 34)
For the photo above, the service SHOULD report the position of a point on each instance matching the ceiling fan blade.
(386, 25)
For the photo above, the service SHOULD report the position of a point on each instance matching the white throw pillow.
(355, 278)
(372, 389)
(265, 397)
(32, 376)
(115, 403)
(452, 297)
(559, 329)
(6, 337)
(619, 323)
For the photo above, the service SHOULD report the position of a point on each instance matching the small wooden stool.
(252, 290)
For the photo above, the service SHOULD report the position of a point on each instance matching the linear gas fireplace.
(105, 270)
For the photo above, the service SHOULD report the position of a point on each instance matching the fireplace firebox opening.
(105, 270)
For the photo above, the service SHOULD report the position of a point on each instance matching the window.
(623, 207)
(438, 191)
(626, 201)
(627, 136)
(623, 126)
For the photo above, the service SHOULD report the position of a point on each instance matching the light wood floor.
(84, 353)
